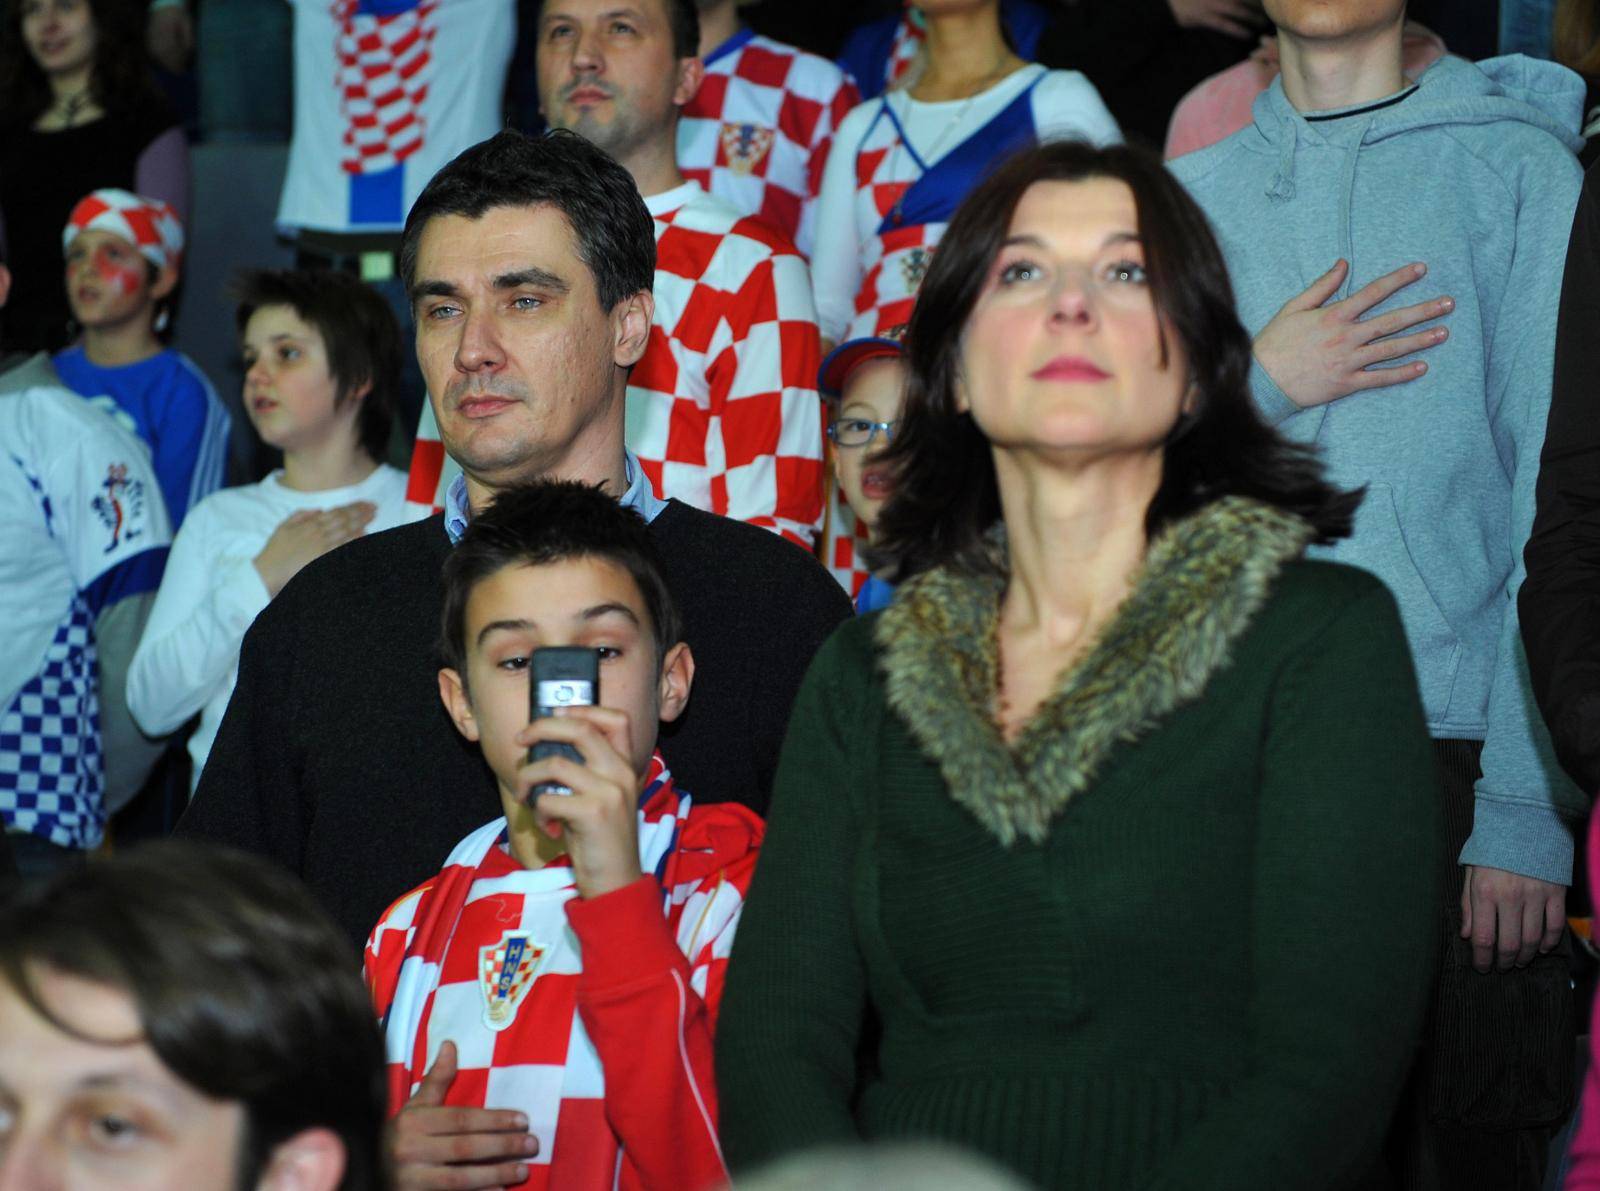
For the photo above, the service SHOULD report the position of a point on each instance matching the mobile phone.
(560, 676)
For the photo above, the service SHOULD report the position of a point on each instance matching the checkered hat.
(150, 225)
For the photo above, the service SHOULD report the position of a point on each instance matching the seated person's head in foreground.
(177, 1016)
(321, 358)
(558, 564)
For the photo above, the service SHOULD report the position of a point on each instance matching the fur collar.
(1202, 582)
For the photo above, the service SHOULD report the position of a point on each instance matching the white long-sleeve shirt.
(188, 658)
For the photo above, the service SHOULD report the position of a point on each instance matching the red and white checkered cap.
(150, 225)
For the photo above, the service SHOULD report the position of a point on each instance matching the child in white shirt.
(322, 359)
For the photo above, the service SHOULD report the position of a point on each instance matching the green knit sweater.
(1177, 935)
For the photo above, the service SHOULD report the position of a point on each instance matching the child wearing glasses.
(863, 381)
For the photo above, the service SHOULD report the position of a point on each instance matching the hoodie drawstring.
(1281, 189)
(1347, 199)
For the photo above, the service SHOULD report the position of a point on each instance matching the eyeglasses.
(858, 432)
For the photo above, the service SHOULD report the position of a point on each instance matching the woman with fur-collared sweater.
(1119, 825)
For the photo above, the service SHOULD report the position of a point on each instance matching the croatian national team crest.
(506, 970)
(121, 506)
(745, 145)
(914, 267)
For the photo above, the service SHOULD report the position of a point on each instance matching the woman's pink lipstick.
(1070, 368)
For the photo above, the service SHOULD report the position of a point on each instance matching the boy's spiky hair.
(546, 522)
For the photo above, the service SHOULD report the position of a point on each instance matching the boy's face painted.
(108, 282)
(589, 602)
(79, 1113)
(289, 393)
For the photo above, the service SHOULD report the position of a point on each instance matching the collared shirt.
(637, 496)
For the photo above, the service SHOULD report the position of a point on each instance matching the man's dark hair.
(613, 228)
(546, 522)
(358, 332)
(945, 495)
(244, 988)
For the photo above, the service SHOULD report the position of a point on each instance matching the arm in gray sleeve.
(129, 754)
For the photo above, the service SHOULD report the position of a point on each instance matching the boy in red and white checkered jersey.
(548, 999)
(722, 411)
(758, 131)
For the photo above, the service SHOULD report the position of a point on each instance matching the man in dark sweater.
(529, 263)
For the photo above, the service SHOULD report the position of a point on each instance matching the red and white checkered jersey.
(866, 279)
(908, 39)
(757, 133)
(843, 541)
(723, 411)
(382, 101)
(594, 1017)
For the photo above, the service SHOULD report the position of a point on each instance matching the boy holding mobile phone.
(549, 998)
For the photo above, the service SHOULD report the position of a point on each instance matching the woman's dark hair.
(945, 495)
(358, 331)
(120, 82)
(243, 987)
(615, 233)
(545, 522)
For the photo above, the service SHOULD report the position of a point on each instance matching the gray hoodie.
(1474, 174)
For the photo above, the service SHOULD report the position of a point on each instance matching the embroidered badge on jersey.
(758, 132)
(914, 265)
(121, 507)
(506, 971)
(744, 147)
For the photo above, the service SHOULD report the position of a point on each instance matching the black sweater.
(336, 758)
(1559, 603)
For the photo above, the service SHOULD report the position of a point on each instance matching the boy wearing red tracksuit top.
(559, 979)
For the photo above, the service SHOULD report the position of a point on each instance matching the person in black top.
(78, 113)
(530, 265)
(1558, 606)
(1143, 56)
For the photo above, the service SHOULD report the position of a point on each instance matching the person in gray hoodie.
(1467, 175)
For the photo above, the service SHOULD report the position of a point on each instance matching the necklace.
(71, 106)
(896, 213)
